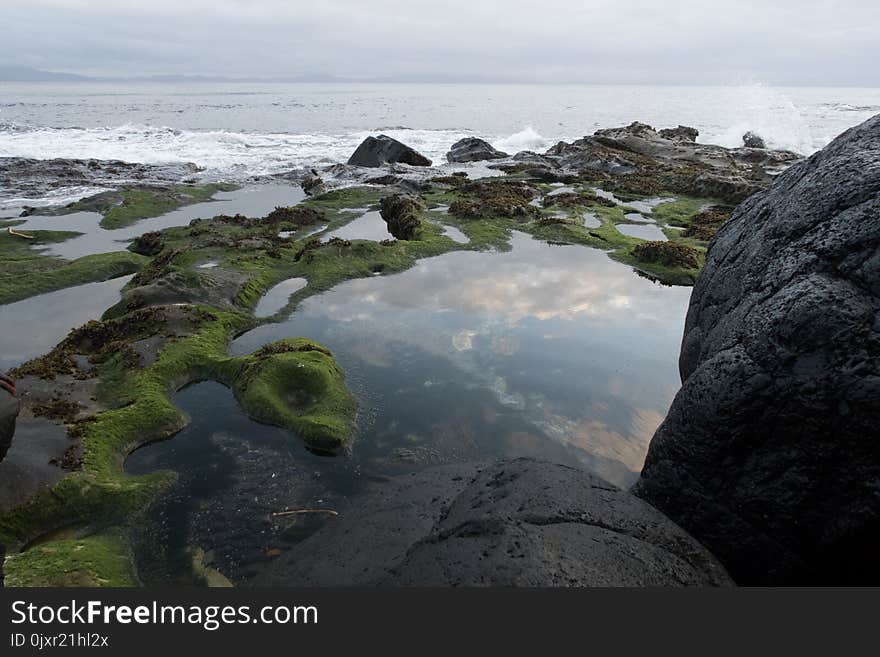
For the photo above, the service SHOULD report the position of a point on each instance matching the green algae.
(296, 384)
(26, 271)
(100, 560)
(127, 206)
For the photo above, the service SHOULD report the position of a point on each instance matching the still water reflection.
(32, 327)
(568, 345)
(545, 351)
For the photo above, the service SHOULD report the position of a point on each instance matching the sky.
(602, 41)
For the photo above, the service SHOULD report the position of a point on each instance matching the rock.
(471, 149)
(298, 216)
(511, 523)
(387, 179)
(669, 254)
(32, 178)
(312, 184)
(751, 140)
(9, 407)
(401, 213)
(681, 133)
(148, 244)
(376, 151)
(770, 454)
(534, 158)
(704, 225)
(729, 187)
(672, 161)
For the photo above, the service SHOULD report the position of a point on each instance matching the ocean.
(237, 131)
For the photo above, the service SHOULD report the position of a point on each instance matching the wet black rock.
(472, 149)
(401, 212)
(377, 151)
(751, 140)
(511, 523)
(770, 454)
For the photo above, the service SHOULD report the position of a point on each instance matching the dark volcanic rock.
(751, 140)
(471, 149)
(376, 151)
(512, 523)
(401, 213)
(770, 454)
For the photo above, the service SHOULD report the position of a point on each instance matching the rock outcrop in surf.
(377, 151)
(472, 149)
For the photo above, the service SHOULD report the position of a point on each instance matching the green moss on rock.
(26, 272)
(101, 560)
(296, 384)
(127, 206)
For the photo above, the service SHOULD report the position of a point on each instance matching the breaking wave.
(231, 154)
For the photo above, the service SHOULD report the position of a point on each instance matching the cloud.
(555, 40)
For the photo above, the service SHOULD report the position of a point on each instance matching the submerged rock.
(376, 151)
(751, 140)
(770, 454)
(512, 523)
(472, 149)
(401, 213)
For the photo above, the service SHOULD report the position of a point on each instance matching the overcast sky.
(682, 41)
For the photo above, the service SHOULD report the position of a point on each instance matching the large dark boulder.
(472, 149)
(511, 523)
(770, 454)
(401, 212)
(377, 151)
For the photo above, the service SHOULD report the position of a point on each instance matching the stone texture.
(377, 151)
(401, 213)
(511, 523)
(770, 454)
(472, 149)
(752, 140)
(681, 133)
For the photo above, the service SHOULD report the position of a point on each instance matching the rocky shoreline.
(197, 286)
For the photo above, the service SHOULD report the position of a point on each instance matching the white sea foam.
(526, 139)
(290, 127)
(215, 150)
(770, 113)
(60, 196)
